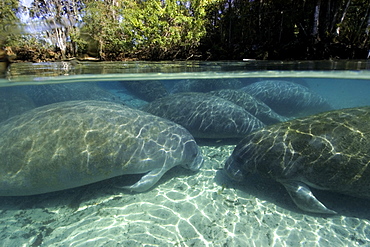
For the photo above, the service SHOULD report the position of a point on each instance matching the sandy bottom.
(184, 209)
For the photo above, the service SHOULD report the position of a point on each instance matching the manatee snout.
(233, 169)
(193, 158)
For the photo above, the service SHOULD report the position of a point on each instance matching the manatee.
(251, 104)
(328, 151)
(205, 116)
(146, 90)
(74, 143)
(205, 85)
(288, 98)
(52, 93)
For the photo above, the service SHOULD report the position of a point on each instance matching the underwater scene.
(185, 154)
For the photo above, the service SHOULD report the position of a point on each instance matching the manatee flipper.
(147, 181)
(304, 199)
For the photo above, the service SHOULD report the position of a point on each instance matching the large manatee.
(251, 104)
(288, 98)
(205, 116)
(327, 151)
(70, 144)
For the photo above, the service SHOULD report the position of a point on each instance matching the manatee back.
(205, 116)
(288, 98)
(328, 151)
(251, 104)
(74, 143)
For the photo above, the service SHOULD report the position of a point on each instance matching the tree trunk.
(315, 29)
(343, 16)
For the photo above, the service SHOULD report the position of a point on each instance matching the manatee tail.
(304, 199)
(146, 182)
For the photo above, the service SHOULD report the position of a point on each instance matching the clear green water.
(184, 208)
(58, 72)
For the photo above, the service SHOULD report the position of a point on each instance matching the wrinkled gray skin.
(205, 116)
(327, 151)
(288, 98)
(74, 143)
(251, 104)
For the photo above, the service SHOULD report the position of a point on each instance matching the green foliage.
(9, 23)
(205, 29)
(150, 29)
(101, 34)
(162, 31)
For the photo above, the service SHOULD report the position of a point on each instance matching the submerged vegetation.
(184, 29)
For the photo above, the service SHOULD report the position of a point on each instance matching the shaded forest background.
(48, 30)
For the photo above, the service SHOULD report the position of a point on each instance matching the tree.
(9, 22)
(151, 29)
(10, 29)
(166, 29)
(184, 29)
(102, 35)
(280, 29)
(62, 18)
